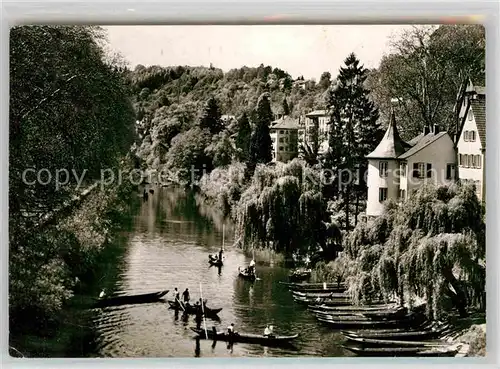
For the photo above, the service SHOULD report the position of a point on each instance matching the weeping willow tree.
(283, 210)
(430, 248)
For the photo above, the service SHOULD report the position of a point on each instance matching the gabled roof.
(391, 146)
(478, 106)
(285, 123)
(423, 142)
(479, 110)
(317, 113)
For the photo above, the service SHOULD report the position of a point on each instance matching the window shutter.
(429, 170)
(448, 171)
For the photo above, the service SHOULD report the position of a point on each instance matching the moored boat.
(300, 274)
(363, 324)
(131, 299)
(449, 350)
(375, 342)
(245, 337)
(312, 287)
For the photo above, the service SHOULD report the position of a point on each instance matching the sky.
(307, 50)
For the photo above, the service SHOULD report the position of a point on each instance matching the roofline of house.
(440, 134)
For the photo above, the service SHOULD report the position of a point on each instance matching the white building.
(396, 167)
(284, 136)
(471, 139)
(321, 120)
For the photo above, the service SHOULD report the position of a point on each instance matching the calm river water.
(168, 247)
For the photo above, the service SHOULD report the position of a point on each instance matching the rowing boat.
(193, 309)
(312, 286)
(353, 308)
(363, 324)
(404, 351)
(300, 274)
(245, 275)
(328, 294)
(245, 337)
(131, 299)
(214, 261)
(374, 342)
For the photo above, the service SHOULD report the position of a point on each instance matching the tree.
(244, 132)
(286, 109)
(260, 142)
(354, 130)
(426, 75)
(211, 117)
(325, 81)
(221, 150)
(432, 247)
(187, 155)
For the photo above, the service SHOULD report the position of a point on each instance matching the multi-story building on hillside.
(284, 137)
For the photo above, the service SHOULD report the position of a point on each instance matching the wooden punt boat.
(328, 294)
(245, 275)
(131, 299)
(214, 261)
(353, 308)
(192, 309)
(418, 333)
(245, 337)
(312, 286)
(375, 342)
(363, 324)
(300, 274)
(404, 351)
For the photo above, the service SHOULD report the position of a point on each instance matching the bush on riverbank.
(432, 247)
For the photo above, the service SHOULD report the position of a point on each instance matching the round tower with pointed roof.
(383, 169)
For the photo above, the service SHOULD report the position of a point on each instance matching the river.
(168, 247)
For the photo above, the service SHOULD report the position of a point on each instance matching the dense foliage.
(354, 133)
(431, 247)
(69, 110)
(426, 74)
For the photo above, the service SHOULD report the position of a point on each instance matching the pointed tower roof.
(391, 145)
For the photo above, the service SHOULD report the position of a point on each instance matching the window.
(281, 148)
(281, 139)
(429, 170)
(382, 168)
(402, 169)
(467, 161)
(473, 161)
(469, 115)
(382, 194)
(460, 160)
(418, 170)
(281, 132)
(478, 161)
(472, 136)
(450, 171)
(466, 135)
(402, 194)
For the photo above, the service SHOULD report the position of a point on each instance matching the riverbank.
(86, 254)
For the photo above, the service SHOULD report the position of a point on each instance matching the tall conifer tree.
(354, 131)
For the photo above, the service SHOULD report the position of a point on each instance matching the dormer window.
(469, 115)
(382, 168)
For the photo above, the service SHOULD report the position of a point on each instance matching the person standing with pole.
(203, 313)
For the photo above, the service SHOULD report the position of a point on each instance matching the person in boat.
(230, 330)
(199, 315)
(251, 267)
(221, 252)
(177, 298)
(185, 296)
(268, 332)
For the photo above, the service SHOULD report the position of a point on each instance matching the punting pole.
(203, 311)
